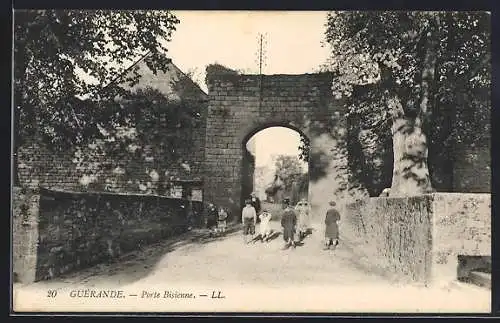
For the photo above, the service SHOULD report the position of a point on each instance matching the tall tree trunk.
(410, 172)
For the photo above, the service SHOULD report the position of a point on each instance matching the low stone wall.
(392, 233)
(419, 238)
(461, 226)
(76, 230)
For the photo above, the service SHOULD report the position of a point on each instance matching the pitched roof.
(165, 82)
(162, 81)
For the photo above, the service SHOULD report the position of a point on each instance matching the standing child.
(265, 229)
(331, 227)
(222, 223)
(249, 219)
(211, 219)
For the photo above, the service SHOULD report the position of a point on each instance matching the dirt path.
(227, 263)
(196, 257)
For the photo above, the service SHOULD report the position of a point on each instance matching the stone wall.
(392, 233)
(242, 105)
(76, 230)
(139, 167)
(419, 238)
(461, 226)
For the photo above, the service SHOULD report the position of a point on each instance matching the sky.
(292, 41)
(292, 45)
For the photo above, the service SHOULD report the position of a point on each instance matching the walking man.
(288, 222)
(331, 227)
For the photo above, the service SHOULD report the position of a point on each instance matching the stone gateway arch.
(241, 105)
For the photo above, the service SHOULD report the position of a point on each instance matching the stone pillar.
(25, 235)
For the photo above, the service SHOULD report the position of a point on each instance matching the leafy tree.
(300, 188)
(289, 170)
(418, 70)
(216, 71)
(304, 148)
(61, 54)
(273, 189)
(152, 136)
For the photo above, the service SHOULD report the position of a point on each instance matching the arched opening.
(275, 166)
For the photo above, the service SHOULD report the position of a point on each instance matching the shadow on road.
(144, 262)
(136, 265)
(274, 234)
(306, 234)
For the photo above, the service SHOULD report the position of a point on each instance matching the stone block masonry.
(138, 168)
(420, 238)
(461, 227)
(64, 231)
(242, 105)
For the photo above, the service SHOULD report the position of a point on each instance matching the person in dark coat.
(331, 227)
(190, 215)
(211, 216)
(256, 204)
(288, 222)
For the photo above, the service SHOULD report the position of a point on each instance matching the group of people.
(250, 216)
(293, 220)
(216, 219)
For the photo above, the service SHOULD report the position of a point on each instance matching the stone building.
(138, 168)
(215, 165)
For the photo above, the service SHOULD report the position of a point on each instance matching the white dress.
(303, 217)
(265, 228)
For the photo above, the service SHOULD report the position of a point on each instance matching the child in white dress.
(265, 229)
(303, 210)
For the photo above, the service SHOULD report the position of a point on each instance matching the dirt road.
(262, 276)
